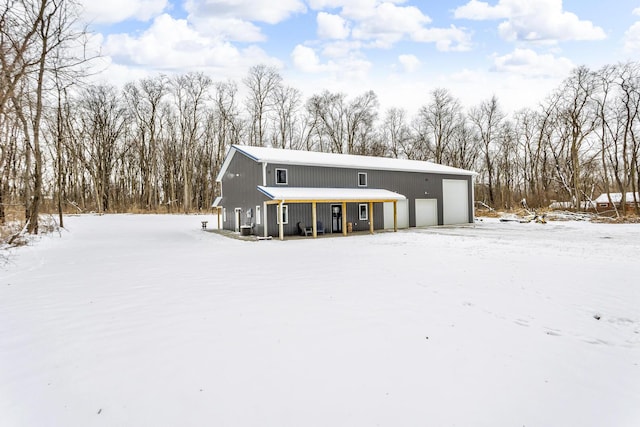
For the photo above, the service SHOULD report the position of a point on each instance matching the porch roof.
(313, 194)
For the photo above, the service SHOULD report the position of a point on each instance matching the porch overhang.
(313, 195)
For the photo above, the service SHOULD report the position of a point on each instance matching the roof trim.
(304, 194)
(226, 163)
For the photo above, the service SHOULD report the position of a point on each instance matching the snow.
(617, 197)
(146, 320)
(315, 158)
(330, 194)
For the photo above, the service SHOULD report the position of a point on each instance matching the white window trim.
(366, 179)
(366, 212)
(286, 175)
(285, 214)
(258, 215)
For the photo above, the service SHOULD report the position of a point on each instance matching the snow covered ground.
(132, 320)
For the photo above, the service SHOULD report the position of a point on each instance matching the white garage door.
(403, 214)
(455, 201)
(426, 212)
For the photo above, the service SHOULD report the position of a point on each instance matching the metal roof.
(347, 161)
(293, 194)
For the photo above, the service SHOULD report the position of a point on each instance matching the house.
(270, 191)
(603, 201)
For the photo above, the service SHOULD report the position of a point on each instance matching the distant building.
(607, 201)
(277, 191)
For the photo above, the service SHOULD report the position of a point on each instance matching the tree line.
(157, 143)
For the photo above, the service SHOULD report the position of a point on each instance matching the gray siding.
(239, 191)
(244, 174)
(413, 185)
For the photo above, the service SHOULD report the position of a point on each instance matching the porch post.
(281, 223)
(370, 217)
(395, 215)
(344, 218)
(219, 212)
(314, 218)
(265, 222)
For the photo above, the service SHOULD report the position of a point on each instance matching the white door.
(426, 212)
(238, 219)
(402, 207)
(455, 201)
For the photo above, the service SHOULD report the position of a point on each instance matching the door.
(336, 218)
(238, 219)
(455, 201)
(426, 212)
(402, 207)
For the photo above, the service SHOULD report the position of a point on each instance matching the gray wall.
(243, 175)
(239, 191)
(413, 185)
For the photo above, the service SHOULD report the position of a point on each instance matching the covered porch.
(281, 196)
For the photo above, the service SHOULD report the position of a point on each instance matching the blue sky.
(518, 50)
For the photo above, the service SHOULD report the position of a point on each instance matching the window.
(362, 179)
(224, 214)
(258, 215)
(281, 176)
(285, 214)
(363, 209)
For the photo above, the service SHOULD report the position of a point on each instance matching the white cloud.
(386, 23)
(410, 63)
(112, 11)
(514, 91)
(270, 12)
(382, 24)
(632, 39)
(350, 68)
(446, 39)
(527, 62)
(341, 48)
(533, 21)
(332, 26)
(306, 60)
(231, 29)
(480, 11)
(171, 44)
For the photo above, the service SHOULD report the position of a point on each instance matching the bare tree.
(396, 132)
(261, 82)
(328, 112)
(103, 119)
(144, 99)
(360, 117)
(190, 92)
(486, 119)
(285, 100)
(577, 120)
(440, 119)
(32, 33)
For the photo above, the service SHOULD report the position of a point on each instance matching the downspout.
(281, 225)
(265, 225)
(473, 200)
(264, 174)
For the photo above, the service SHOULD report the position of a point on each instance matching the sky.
(518, 50)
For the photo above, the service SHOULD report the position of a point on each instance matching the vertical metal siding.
(244, 174)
